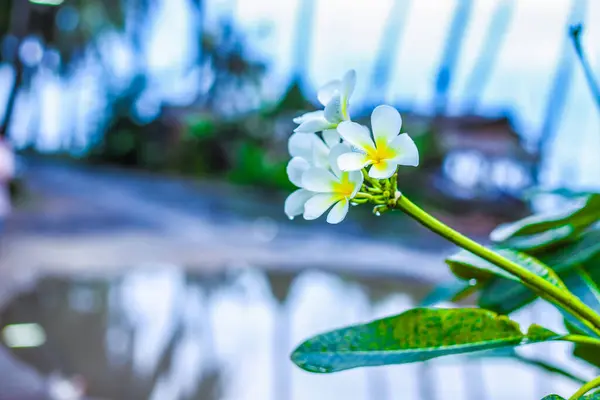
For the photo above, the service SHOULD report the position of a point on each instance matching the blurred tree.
(66, 28)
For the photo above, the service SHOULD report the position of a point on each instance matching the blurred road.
(84, 218)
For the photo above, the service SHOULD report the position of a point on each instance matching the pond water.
(164, 333)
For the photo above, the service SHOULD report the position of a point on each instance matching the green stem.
(373, 182)
(594, 383)
(562, 297)
(581, 339)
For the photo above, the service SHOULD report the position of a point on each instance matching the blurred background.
(144, 249)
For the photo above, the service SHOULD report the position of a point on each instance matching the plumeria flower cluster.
(337, 162)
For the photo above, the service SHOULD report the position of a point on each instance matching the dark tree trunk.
(12, 99)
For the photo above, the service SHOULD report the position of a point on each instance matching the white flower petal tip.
(318, 204)
(338, 212)
(386, 123)
(405, 147)
(295, 168)
(314, 125)
(328, 91)
(348, 83)
(383, 170)
(294, 204)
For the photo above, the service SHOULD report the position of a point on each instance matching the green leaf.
(586, 352)
(578, 216)
(538, 333)
(582, 286)
(449, 291)
(548, 367)
(541, 240)
(593, 396)
(504, 296)
(466, 265)
(586, 247)
(415, 335)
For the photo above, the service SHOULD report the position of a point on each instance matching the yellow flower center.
(381, 152)
(344, 187)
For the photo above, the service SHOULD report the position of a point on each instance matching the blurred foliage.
(568, 241)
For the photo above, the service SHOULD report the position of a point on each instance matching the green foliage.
(467, 266)
(540, 232)
(593, 396)
(567, 242)
(416, 335)
(253, 166)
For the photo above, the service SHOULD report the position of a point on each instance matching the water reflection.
(163, 333)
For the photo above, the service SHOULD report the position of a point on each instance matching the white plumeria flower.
(335, 96)
(294, 204)
(312, 148)
(389, 149)
(307, 151)
(330, 187)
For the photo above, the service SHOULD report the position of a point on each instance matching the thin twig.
(575, 33)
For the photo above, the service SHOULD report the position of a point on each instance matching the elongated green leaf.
(585, 352)
(416, 335)
(593, 396)
(579, 216)
(586, 247)
(541, 240)
(582, 286)
(466, 265)
(504, 296)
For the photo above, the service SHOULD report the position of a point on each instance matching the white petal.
(301, 145)
(405, 147)
(338, 212)
(331, 137)
(357, 179)
(320, 153)
(314, 125)
(383, 169)
(309, 116)
(294, 204)
(386, 123)
(334, 155)
(348, 84)
(295, 168)
(357, 135)
(352, 161)
(333, 110)
(327, 91)
(318, 204)
(318, 180)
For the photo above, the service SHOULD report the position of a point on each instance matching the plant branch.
(561, 297)
(581, 339)
(575, 33)
(594, 383)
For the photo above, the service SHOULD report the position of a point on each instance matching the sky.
(343, 35)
